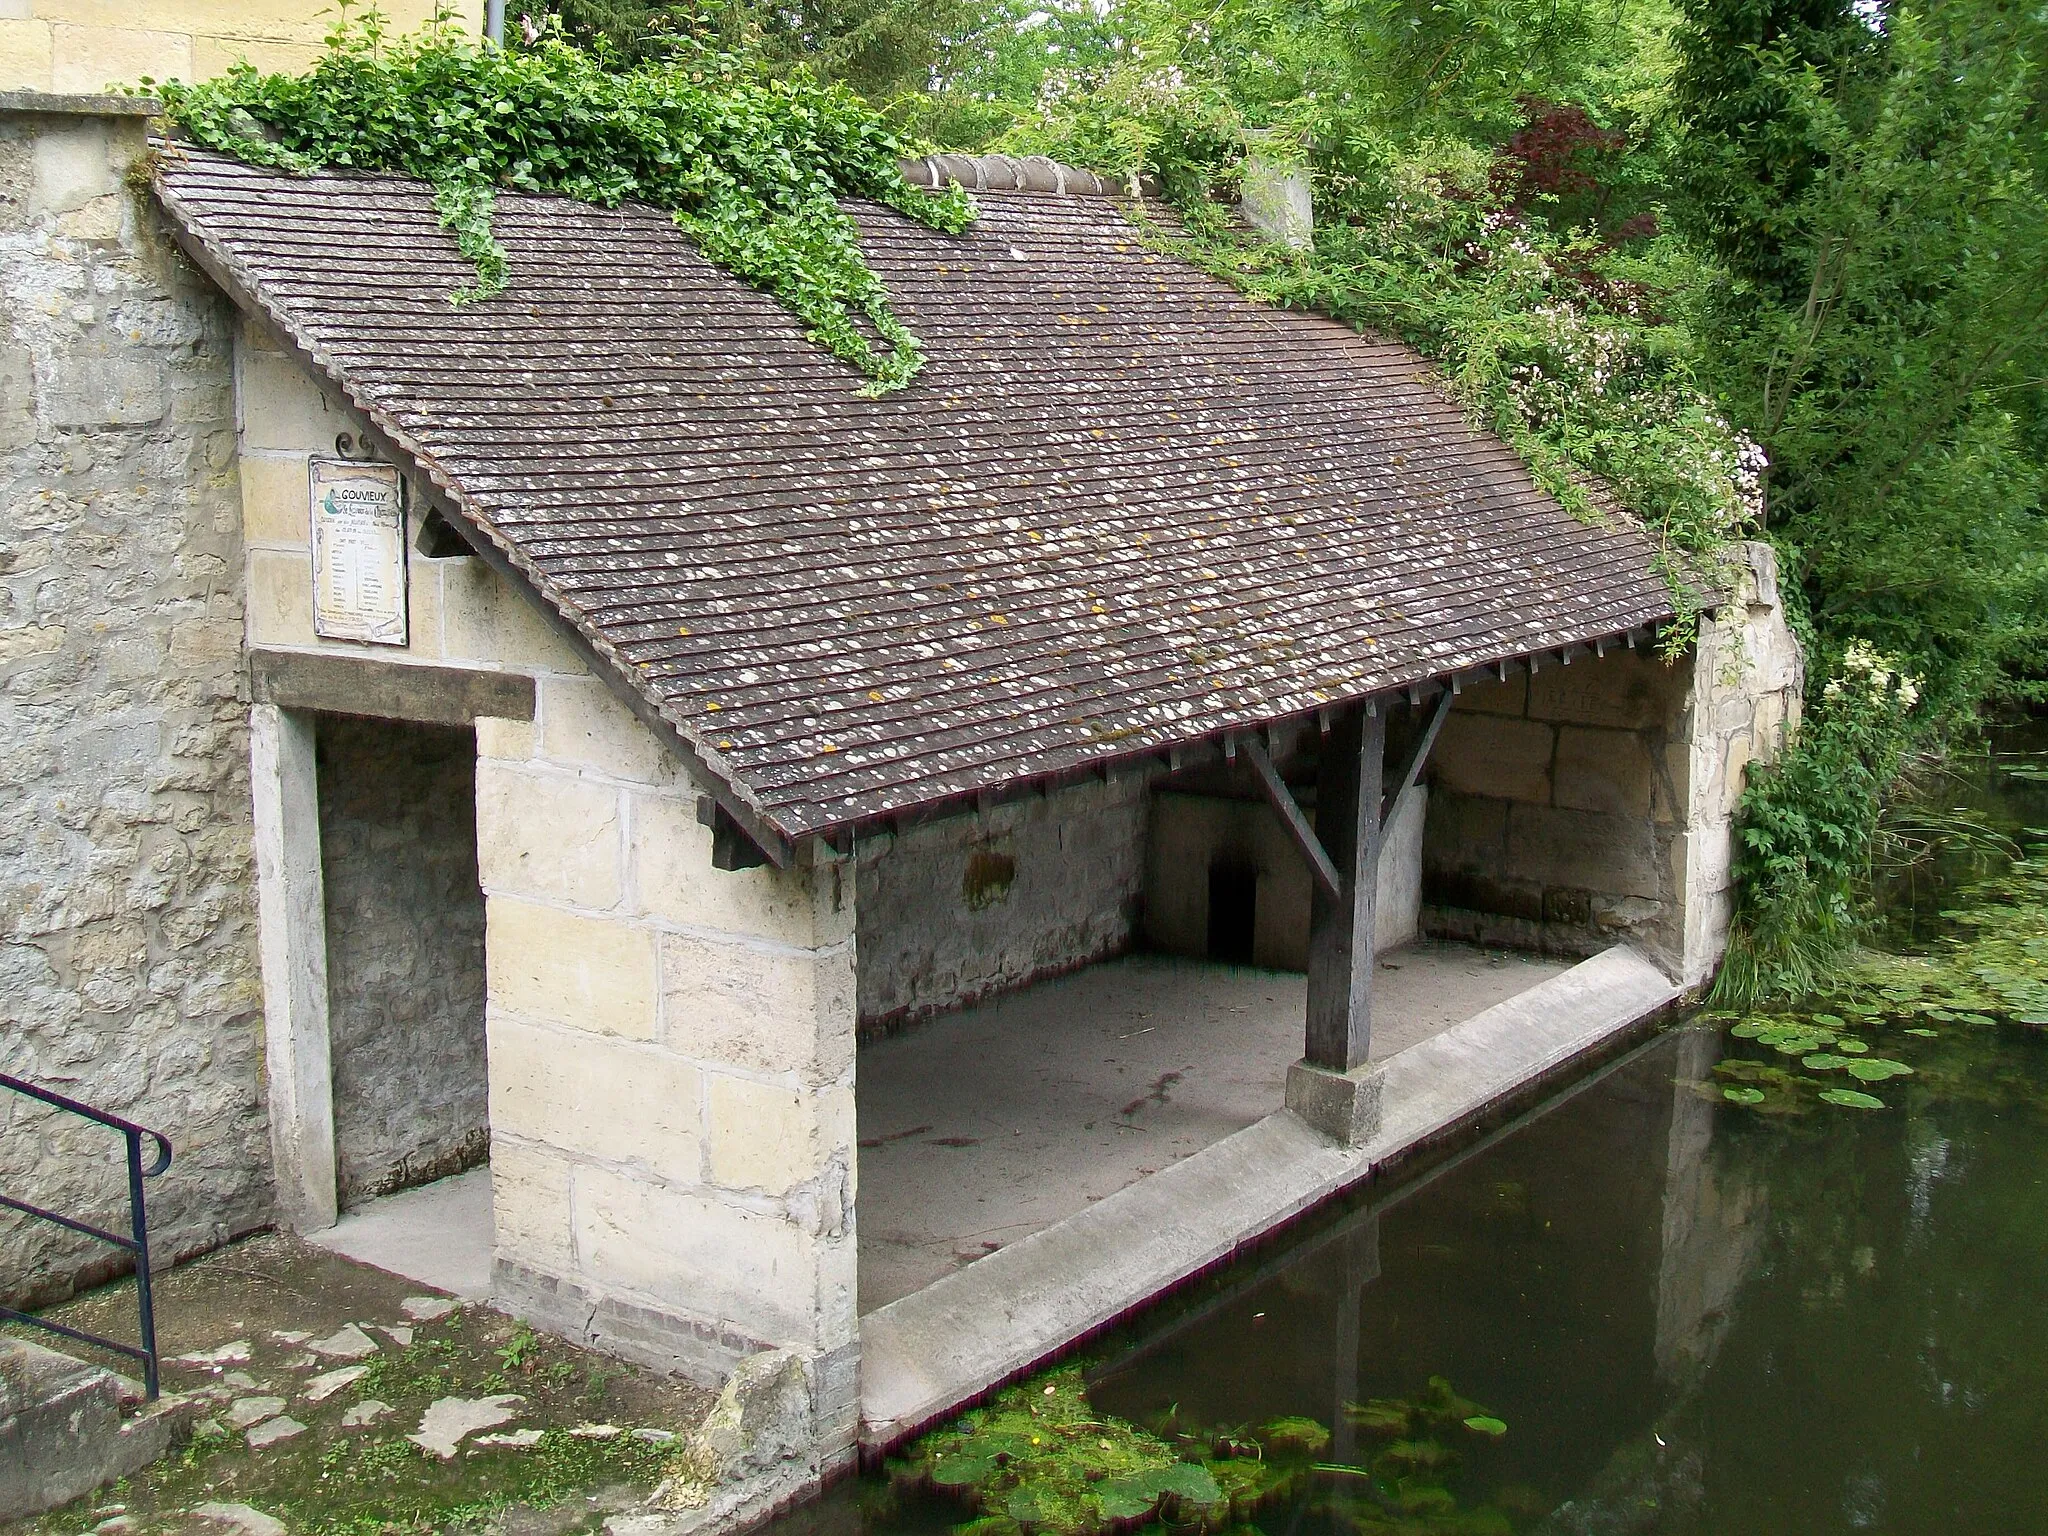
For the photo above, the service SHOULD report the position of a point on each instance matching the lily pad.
(1118, 1500)
(1849, 1098)
(1486, 1424)
(962, 1471)
(1747, 1030)
(1833, 1021)
(1875, 1069)
(1187, 1482)
(1925, 1034)
(1853, 1047)
(1743, 1095)
(1824, 1063)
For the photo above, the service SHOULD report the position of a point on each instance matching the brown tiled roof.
(1123, 508)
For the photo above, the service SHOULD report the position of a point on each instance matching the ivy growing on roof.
(753, 169)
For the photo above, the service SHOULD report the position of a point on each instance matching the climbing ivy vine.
(752, 168)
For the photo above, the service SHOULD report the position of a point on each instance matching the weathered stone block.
(763, 1008)
(608, 1099)
(1494, 755)
(769, 1138)
(1491, 696)
(1601, 770)
(280, 608)
(97, 383)
(283, 409)
(1464, 832)
(72, 164)
(1628, 690)
(93, 59)
(748, 1272)
(1615, 854)
(530, 1202)
(275, 499)
(26, 52)
(586, 973)
(214, 55)
(1344, 1106)
(549, 834)
(485, 620)
(673, 879)
(506, 740)
(583, 724)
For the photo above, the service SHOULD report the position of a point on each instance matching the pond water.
(1691, 1316)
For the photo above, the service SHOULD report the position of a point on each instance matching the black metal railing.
(136, 1243)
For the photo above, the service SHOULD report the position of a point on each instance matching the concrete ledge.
(929, 1354)
(387, 690)
(64, 104)
(698, 1351)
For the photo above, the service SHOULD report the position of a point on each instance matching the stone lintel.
(346, 685)
(1344, 1106)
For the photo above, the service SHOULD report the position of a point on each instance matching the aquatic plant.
(1040, 1458)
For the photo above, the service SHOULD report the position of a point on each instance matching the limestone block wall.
(88, 45)
(963, 908)
(671, 1052)
(128, 970)
(1589, 804)
(1748, 683)
(1558, 801)
(405, 952)
(1190, 832)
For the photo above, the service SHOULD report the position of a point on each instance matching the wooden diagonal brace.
(1418, 755)
(1292, 818)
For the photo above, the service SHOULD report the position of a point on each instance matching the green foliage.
(1996, 966)
(1806, 828)
(1874, 183)
(751, 168)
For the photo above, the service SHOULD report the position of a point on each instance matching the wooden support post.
(1340, 931)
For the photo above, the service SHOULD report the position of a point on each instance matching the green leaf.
(1744, 1095)
(1486, 1424)
(1876, 1069)
(1924, 1034)
(1852, 1047)
(963, 1470)
(1824, 1063)
(1849, 1098)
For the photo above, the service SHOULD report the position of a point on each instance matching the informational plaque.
(358, 552)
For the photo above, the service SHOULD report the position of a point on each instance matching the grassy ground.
(279, 1297)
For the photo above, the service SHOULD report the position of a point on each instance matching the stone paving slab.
(932, 1352)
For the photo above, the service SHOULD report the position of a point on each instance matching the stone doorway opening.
(405, 953)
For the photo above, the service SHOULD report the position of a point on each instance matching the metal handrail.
(136, 1243)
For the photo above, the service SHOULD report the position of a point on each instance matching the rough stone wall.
(1190, 832)
(128, 969)
(961, 909)
(87, 45)
(1589, 804)
(1558, 801)
(1749, 680)
(405, 952)
(671, 1052)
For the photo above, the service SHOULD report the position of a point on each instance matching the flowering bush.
(1807, 825)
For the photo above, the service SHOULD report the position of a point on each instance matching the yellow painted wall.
(87, 45)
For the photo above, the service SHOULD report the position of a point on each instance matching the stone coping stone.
(80, 104)
(935, 1351)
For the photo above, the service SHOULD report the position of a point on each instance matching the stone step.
(65, 1429)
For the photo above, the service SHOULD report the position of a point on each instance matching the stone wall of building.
(671, 1049)
(88, 45)
(128, 965)
(1192, 832)
(963, 908)
(405, 952)
(1583, 805)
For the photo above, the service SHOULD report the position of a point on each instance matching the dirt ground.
(338, 1398)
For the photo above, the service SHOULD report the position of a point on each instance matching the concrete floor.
(982, 1127)
(439, 1234)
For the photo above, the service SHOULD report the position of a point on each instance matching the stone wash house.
(579, 742)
